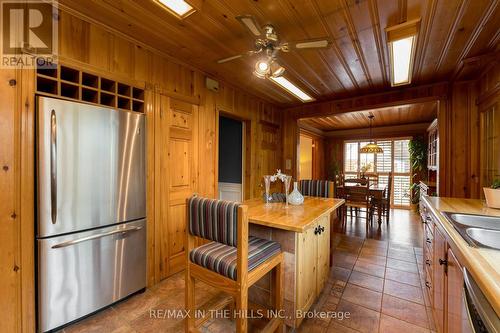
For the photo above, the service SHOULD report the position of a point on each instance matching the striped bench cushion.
(315, 188)
(212, 219)
(222, 259)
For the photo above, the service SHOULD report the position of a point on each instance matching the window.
(395, 158)
(351, 157)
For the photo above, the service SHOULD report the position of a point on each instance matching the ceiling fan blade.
(246, 54)
(307, 44)
(221, 61)
(251, 24)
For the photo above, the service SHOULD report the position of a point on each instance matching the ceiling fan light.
(263, 66)
(277, 70)
(262, 69)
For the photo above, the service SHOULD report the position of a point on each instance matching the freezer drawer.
(83, 272)
(91, 166)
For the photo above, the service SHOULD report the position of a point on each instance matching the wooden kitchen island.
(304, 234)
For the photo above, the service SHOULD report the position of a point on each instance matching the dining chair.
(372, 177)
(233, 261)
(385, 201)
(339, 179)
(355, 181)
(358, 197)
(316, 188)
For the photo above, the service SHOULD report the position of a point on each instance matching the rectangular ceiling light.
(179, 8)
(402, 54)
(291, 88)
(401, 41)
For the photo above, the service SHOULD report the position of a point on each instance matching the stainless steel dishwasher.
(482, 317)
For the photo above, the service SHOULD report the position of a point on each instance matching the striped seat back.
(315, 188)
(213, 219)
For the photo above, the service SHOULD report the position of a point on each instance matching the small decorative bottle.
(295, 198)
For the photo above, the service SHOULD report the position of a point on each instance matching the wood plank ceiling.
(357, 63)
(398, 115)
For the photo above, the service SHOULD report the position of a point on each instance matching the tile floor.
(379, 282)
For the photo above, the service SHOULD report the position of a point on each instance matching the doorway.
(231, 166)
(306, 157)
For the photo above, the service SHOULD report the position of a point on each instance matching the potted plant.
(365, 168)
(492, 194)
(417, 149)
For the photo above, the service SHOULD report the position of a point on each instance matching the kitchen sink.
(477, 230)
(477, 221)
(486, 237)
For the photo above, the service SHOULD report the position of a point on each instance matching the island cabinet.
(304, 234)
(313, 251)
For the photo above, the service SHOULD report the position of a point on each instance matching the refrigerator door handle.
(104, 234)
(53, 166)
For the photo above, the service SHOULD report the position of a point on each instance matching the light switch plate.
(288, 164)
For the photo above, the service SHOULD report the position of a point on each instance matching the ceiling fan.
(268, 43)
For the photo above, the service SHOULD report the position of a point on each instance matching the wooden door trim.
(245, 158)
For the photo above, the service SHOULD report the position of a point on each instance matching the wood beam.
(379, 131)
(411, 95)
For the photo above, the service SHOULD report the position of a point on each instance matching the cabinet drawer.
(429, 229)
(429, 242)
(428, 260)
(429, 286)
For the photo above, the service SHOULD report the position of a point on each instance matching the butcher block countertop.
(293, 218)
(482, 263)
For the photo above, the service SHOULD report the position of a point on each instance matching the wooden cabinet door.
(439, 287)
(323, 264)
(182, 164)
(456, 313)
(306, 268)
(176, 140)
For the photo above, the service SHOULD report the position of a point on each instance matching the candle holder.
(288, 180)
(267, 184)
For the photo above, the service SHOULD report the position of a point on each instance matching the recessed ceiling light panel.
(402, 41)
(179, 8)
(402, 60)
(291, 88)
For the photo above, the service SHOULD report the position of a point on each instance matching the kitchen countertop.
(293, 218)
(482, 263)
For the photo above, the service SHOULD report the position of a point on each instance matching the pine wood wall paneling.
(26, 192)
(291, 143)
(489, 96)
(10, 288)
(17, 200)
(152, 190)
(126, 60)
(463, 141)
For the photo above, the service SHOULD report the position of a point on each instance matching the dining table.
(376, 191)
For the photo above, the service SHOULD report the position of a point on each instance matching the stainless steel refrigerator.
(91, 210)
